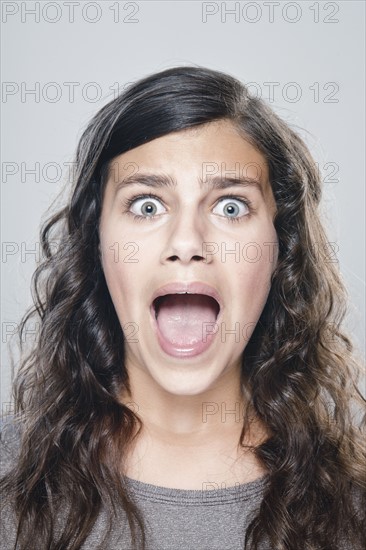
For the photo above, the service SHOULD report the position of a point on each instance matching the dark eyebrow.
(211, 182)
(219, 182)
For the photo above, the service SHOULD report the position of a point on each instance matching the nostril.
(173, 258)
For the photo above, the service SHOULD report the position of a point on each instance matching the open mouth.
(185, 322)
(184, 303)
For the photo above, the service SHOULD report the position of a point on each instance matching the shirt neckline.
(211, 493)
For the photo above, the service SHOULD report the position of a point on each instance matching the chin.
(185, 383)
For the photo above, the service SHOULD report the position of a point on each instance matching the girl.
(191, 386)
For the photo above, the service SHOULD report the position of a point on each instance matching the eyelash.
(127, 203)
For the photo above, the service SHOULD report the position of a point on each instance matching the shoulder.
(10, 438)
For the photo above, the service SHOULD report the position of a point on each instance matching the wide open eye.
(232, 208)
(145, 206)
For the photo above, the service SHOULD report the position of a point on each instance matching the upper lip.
(194, 287)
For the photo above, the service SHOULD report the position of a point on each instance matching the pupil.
(149, 208)
(230, 209)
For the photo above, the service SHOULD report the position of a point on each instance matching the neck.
(187, 440)
(188, 420)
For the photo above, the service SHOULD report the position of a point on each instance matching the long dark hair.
(299, 369)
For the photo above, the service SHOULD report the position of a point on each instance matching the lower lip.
(173, 351)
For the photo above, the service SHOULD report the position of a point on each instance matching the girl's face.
(192, 210)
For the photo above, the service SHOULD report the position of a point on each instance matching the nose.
(185, 241)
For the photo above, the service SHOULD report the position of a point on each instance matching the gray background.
(312, 51)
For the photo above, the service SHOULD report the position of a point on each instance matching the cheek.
(254, 280)
(253, 286)
(112, 255)
(257, 255)
(257, 264)
(125, 265)
(117, 250)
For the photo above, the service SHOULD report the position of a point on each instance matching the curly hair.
(300, 371)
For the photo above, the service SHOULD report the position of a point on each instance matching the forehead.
(216, 148)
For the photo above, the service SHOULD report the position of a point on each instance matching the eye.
(233, 208)
(145, 206)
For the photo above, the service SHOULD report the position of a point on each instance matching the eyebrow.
(158, 181)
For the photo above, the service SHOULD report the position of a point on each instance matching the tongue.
(181, 317)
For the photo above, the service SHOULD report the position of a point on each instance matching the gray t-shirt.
(214, 518)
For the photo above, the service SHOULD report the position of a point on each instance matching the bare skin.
(187, 452)
(189, 436)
